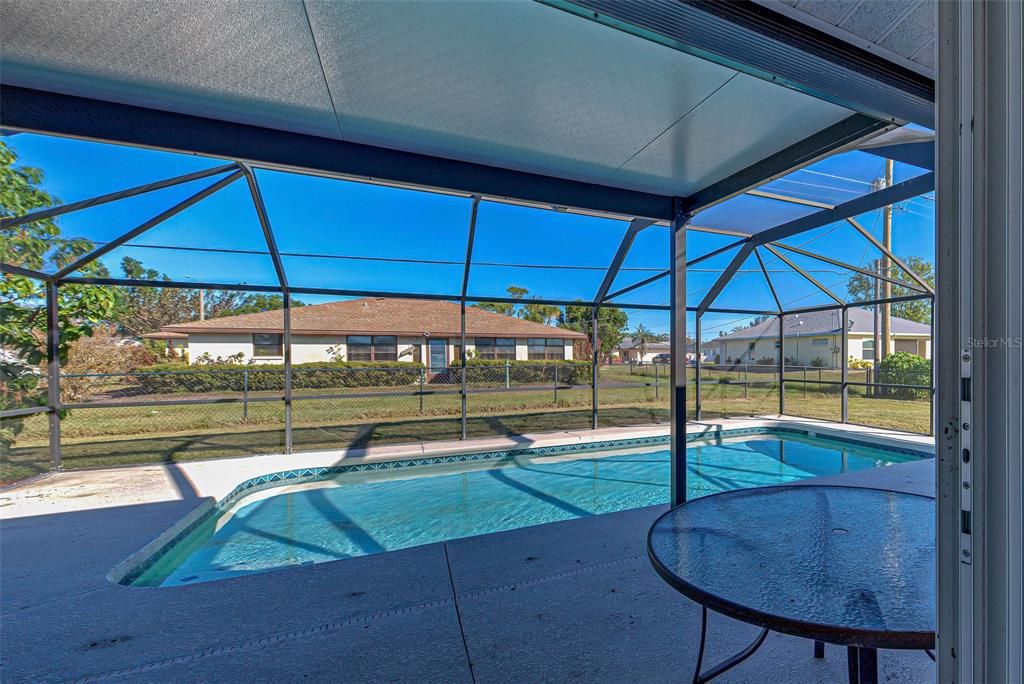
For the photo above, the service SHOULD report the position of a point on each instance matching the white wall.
(220, 345)
(739, 350)
(305, 348)
(312, 348)
(802, 350)
(856, 347)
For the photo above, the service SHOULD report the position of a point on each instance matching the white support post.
(677, 339)
(594, 358)
(844, 411)
(53, 370)
(782, 364)
(978, 350)
(286, 341)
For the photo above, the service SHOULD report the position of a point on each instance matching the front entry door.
(438, 355)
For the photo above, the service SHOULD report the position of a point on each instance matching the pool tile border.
(315, 474)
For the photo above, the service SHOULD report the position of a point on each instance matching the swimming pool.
(374, 510)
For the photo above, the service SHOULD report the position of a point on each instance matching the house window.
(868, 350)
(496, 348)
(372, 348)
(545, 349)
(267, 345)
(819, 341)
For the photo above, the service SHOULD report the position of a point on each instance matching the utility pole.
(875, 357)
(886, 268)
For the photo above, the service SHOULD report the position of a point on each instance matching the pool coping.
(394, 458)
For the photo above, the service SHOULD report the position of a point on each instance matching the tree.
(38, 246)
(611, 325)
(757, 320)
(505, 308)
(147, 309)
(862, 287)
(255, 303)
(546, 314)
(643, 336)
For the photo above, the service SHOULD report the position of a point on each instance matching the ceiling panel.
(902, 31)
(915, 36)
(536, 87)
(746, 120)
(250, 61)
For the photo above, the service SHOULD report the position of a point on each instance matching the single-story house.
(374, 329)
(628, 351)
(816, 339)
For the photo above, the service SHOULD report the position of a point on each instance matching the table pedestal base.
(862, 664)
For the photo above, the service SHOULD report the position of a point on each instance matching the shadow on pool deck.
(573, 600)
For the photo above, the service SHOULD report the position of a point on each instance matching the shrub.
(860, 364)
(766, 361)
(818, 362)
(205, 359)
(170, 378)
(99, 353)
(19, 384)
(903, 368)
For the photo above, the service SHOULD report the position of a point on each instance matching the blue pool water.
(356, 514)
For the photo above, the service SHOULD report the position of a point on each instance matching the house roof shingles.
(377, 315)
(824, 322)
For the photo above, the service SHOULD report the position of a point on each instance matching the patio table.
(842, 565)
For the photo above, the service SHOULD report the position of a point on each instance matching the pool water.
(356, 514)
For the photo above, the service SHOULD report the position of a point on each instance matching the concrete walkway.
(574, 600)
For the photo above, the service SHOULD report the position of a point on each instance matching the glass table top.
(841, 564)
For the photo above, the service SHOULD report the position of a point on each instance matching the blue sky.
(315, 217)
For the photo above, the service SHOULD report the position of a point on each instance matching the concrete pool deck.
(570, 600)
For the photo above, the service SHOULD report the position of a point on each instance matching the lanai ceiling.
(518, 84)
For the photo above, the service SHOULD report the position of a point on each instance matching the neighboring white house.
(816, 339)
(373, 329)
(628, 351)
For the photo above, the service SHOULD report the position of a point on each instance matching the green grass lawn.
(155, 434)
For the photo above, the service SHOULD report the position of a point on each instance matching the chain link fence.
(197, 413)
(899, 400)
(738, 390)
